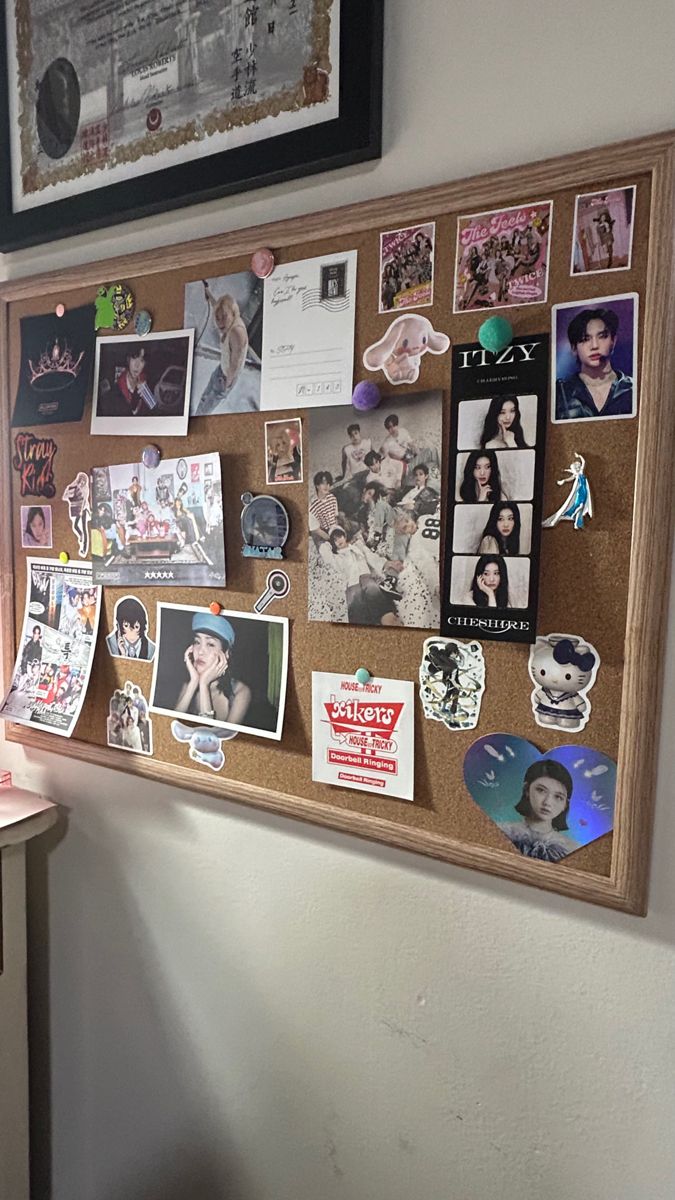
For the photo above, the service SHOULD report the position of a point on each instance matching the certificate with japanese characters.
(308, 332)
(363, 734)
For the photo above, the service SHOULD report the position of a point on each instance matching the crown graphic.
(55, 360)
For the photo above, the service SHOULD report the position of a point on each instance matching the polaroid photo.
(595, 359)
(142, 384)
(603, 231)
(502, 257)
(407, 268)
(128, 726)
(227, 670)
(36, 526)
(226, 313)
(283, 451)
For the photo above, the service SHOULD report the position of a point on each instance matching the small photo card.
(594, 361)
(603, 231)
(407, 267)
(142, 384)
(128, 726)
(363, 734)
(36, 526)
(283, 451)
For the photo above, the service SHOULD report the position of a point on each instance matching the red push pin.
(214, 607)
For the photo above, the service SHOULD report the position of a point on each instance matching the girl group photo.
(494, 491)
(374, 514)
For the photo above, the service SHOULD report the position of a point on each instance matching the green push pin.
(362, 675)
(495, 334)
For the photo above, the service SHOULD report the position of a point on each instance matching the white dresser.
(23, 815)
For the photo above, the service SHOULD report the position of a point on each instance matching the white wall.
(245, 1008)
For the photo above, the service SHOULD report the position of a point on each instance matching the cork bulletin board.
(593, 582)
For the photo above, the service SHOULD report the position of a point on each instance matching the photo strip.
(227, 669)
(161, 526)
(374, 513)
(495, 480)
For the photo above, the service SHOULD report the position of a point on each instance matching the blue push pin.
(363, 675)
(495, 334)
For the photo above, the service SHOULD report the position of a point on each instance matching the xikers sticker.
(495, 479)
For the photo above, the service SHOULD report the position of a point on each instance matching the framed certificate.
(117, 109)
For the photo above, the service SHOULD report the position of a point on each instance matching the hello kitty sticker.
(563, 669)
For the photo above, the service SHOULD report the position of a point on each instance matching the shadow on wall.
(134, 1108)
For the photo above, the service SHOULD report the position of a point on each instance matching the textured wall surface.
(229, 1005)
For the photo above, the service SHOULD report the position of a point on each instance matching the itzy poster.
(56, 649)
(495, 478)
(363, 734)
(502, 257)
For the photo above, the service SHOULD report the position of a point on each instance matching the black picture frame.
(354, 136)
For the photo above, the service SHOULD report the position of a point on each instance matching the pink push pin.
(262, 263)
(60, 310)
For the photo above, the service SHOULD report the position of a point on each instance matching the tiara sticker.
(563, 669)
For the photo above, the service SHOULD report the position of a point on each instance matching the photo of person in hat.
(210, 689)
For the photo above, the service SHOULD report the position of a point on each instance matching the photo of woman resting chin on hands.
(211, 690)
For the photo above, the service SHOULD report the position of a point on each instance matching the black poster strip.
(494, 489)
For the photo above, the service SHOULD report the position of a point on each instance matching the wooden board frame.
(626, 886)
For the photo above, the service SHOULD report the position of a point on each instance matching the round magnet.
(362, 675)
(495, 334)
(262, 262)
(142, 322)
(151, 456)
(60, 310)
(214, 607)
(64, 556)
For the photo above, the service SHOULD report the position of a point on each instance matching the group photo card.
(227, 669)
(502, 257)
(374, 513)
(496, 466)
(159, 526)
(142, 384)
(56, 646)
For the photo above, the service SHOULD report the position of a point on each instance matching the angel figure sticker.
(578, 504)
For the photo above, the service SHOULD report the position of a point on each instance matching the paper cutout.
(77, 497)
(563, 669)
(56, 647)
(114, 307)
(452, 681)
(129, 637)
(129, 726)
(278, 585)
(34, 460)
(363, 734)
(578, 504)
(548, 804)
(399, 352)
